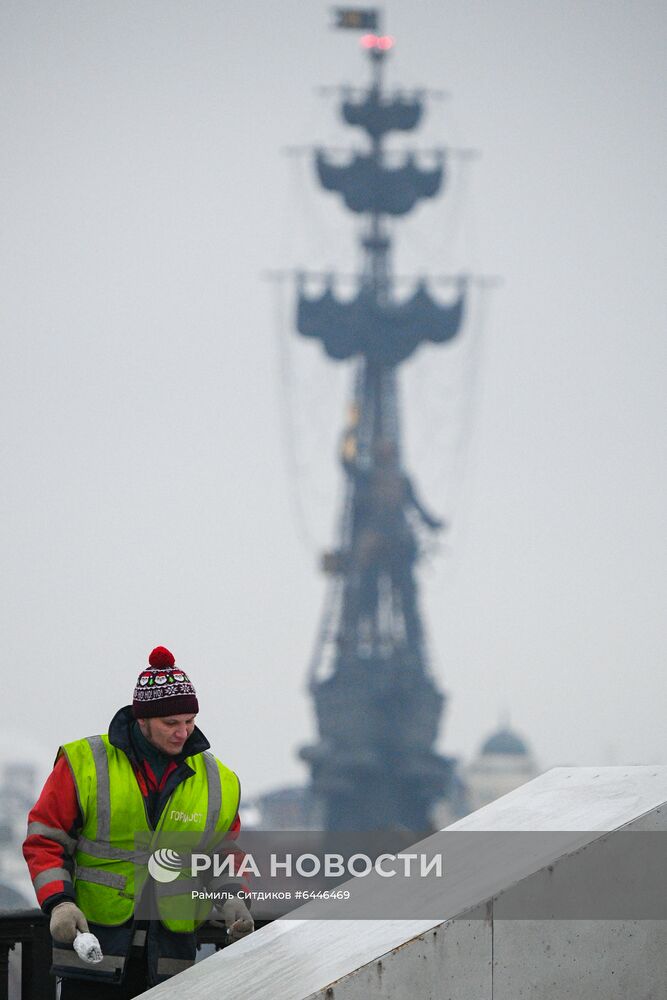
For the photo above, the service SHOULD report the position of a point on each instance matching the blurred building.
(18, 792)
(290, 808)
(503, 763)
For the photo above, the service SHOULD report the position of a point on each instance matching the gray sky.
(145, 491)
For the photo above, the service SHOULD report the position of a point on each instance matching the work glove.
(237, 918)
(66, 920)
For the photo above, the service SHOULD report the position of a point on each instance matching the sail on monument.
(377, 704)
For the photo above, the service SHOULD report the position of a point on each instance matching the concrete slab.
(579, 960)
(575, 798)
(313, 959)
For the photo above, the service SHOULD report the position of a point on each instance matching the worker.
(151, 772)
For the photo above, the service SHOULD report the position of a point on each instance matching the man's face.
(168, 734)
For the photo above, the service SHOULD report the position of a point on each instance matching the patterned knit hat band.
(162, 689)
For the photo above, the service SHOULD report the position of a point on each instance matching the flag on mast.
(359, 18)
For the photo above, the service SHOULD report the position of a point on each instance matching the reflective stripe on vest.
(110, 870)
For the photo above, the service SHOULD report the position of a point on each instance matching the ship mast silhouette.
(378, 708)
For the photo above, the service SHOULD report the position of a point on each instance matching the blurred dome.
(504, 741)
(503, 763)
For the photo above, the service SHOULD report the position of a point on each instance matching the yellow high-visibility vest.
(110, 871)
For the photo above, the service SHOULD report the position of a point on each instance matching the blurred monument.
(377, 705)
(378, 708)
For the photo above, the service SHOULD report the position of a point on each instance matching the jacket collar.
(120, 736)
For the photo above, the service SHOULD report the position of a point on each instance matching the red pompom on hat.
(161, 658)
(163, 689)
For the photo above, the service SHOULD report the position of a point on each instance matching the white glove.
(88, 948)
(66, 920)
(238, 920)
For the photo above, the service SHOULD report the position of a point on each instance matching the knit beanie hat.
(162, 689)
